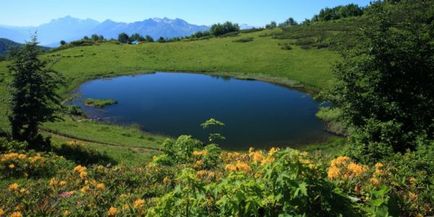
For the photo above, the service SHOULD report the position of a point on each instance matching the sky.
(204, 12)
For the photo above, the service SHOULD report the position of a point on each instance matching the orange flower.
(356, 169)
(16, 214)
(375, 182)
(83, 175)
(13, 187)
(139, 203)
(80, 169)
(333, 172)
(112, 212)
(100, 186)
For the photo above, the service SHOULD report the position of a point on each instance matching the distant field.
(260, 57)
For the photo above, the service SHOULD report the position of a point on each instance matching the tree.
(94, 37)
(161, 40)
(33, 93)
(148, 38)
(289, 22)
(123, 38)
(137, 37)
(384, 87)
(62, 42)
(225, 28)
(272, 25)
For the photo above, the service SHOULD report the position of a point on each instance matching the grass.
(261, 58)
(99, 103)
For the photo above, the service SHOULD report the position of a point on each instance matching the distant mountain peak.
(69, 28)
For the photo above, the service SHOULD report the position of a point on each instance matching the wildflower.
(273, 151)
(79, 169)
(200, 153)
(24, 191)
(412, 196)
(379, 169)
(243, 166)
(201, 174)
(256, 156)
(340, 161)
(66, 213)
(62, 183)
(13, 187)
(16, 214)
(230, 167)
(166, 180)
(85, 189)
(139, 203)
(83, 175)
(100, 186)
(53, 182)
(356, 169)
(11, 166)
(2, 212)
(198, 164)
(333, 172)
(374, 181)
(112, 212)
(412, 181)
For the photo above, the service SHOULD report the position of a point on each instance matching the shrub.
(244, 40)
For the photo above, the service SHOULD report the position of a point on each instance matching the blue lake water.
(256, 114)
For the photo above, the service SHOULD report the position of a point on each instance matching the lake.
(256, 114)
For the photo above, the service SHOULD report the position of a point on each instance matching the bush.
(244, 40)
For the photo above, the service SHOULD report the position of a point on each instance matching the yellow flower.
(2, 212)
(333, 172)
(356, 169)
(13, 187)
(201, 174)
(24, 191)
(230, 167)
(53, 182)
(100, 186)
(243, 166)
(85, 189)
(80, 169)
(139, 203)
(16, 214)
(112, 211)
(256, 156)
(62, 183)
(66, 213)
(83, 175)
(412, 196)
(340, 160)
(200, 153)
(413, 181)
(374, 181)
(273, 151)
(11, 166)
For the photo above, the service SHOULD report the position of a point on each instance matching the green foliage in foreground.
(204, 181)
(384, 86)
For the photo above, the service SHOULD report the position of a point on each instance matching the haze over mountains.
(69, 28)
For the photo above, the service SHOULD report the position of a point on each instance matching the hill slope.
(6, 45)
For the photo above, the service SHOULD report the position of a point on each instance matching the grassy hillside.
(261, 58)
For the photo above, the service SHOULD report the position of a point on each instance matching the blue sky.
(252, 12)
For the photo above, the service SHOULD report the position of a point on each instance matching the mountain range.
(69, 28)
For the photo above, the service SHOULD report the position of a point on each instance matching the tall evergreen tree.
(33, 93)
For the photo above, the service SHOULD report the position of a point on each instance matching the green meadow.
(261, 57)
